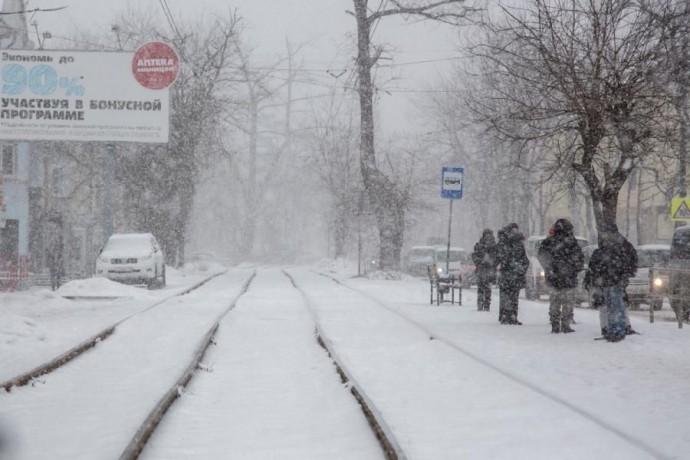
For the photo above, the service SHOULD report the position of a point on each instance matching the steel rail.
(89, 343)
(384, 435)
(138, 442)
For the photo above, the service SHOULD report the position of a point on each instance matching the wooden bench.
(441, 286)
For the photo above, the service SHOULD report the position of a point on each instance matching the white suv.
(134, 258)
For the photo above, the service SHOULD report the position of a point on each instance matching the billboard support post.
(109, 192)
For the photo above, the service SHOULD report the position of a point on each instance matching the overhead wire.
(34, 10)
(170, 18)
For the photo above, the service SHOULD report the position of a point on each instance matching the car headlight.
(439, 270)
(104, 259)
(146, 257)
(542, 273)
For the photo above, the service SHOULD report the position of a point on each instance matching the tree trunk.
(382, 193)
(251, 191)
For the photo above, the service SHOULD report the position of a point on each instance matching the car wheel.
(634, 305)
(152, 283)
(657, 304)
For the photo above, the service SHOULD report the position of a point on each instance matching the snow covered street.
(449, 382)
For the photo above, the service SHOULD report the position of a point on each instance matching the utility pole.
(109, 192)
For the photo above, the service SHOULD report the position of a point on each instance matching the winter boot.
(555, 324)
(565, 328)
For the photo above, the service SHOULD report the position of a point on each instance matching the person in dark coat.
(513, 265)
(561, 258)
(55, 265)
(485, 258)
(610, 268)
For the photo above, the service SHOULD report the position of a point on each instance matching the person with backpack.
(561, 258)
(485, 262)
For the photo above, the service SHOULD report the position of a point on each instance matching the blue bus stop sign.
(452, 182)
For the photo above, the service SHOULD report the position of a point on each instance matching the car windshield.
(455, 255)
(657, 256)
(421, 253)
(128, 244)
(642, 259)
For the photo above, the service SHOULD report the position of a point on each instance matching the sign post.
(452, 183)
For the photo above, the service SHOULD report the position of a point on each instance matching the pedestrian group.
(505, 262)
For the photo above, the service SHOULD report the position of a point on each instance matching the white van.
(418, 258)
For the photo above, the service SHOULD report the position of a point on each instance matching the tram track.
(64, 358)
(512, 376)
(384, 435)
(147, 428)
(389, 445)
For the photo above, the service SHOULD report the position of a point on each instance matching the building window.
(8, 159)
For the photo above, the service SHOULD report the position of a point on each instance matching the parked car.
(418, 258)
(658, 255)
(639, 289)
(536, 279)
(133, 258)
(679, 272)
(459, 263)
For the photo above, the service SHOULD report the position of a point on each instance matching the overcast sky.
(322, 26)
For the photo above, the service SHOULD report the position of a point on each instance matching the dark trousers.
(483, 295)
(508, 305)
(54, 279)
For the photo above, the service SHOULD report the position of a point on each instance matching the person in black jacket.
(485, 262)
(513, 267)
(561, 258)
(610, 268)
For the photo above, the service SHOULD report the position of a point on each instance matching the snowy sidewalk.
(442, 403)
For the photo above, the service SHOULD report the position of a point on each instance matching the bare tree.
(672, 19)
(331, 142)
(160, 181)
(384, 197)
(576, 72)
(266, 138)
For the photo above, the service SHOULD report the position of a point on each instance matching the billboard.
(87, 95)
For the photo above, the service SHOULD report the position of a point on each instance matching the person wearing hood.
(513, 265)
(610, 268)
(485, 262)
(561, 258)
